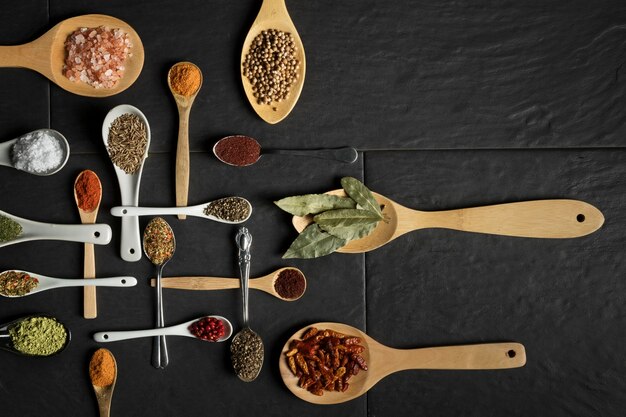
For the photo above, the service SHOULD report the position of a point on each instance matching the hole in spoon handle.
(130, 246)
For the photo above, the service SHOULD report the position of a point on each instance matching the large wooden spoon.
(383, 361)
(183, 103)
(90, 307)
(46, 55)
(264, 283)
(274, 15)
(556, 219)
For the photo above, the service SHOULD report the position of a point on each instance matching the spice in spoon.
(9, 229)
(185, 79)
(88, 191)
(17, 283)
(127, 142)
(237, 150)
(102, 368)
(290, 283)
(38, 336)
(232, 209)
(37, 152)
(208, 328)
(246, 352)
(158, 241)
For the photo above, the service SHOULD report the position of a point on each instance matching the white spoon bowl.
(178, 330)
(129, 185)
(6, 149)
(48, 283)
(98, 234)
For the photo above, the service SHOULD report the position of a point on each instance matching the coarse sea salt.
(37, 152)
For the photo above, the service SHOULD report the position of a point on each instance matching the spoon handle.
(201, 283)
(105, 337)
(99, 233)
(90, 303)
(130, 211)
(346, 154)
(537, 219)
(15, 56)
(160, 357)
(468, 357)
(96, 282)
(182, 159)
(244, 240)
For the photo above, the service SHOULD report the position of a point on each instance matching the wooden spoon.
(46, 55)
(104, 395)
(182, 149)
(274, 15)
(383, 361)
(90, 307)
(556, 219)
(264, 283)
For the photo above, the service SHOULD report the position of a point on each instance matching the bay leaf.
(361, 194)
(313, 243)
(347, 224)
(301, 205)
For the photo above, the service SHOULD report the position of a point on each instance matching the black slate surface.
(467, 95)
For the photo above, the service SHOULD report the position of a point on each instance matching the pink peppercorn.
(208, 328)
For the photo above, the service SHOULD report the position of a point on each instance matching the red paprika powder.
(88, 191)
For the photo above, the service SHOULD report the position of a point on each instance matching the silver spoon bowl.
(160, 357)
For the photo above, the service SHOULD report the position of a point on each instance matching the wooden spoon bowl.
(274, 15)
(264, 283)
(104, 395)
(46, 55)
(383, 361)
(555, 219)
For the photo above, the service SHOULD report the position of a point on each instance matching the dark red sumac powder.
(290, 283)
(238, 150)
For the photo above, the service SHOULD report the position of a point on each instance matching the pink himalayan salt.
(96, 56)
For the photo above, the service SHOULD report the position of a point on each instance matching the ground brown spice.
(185, 79)
(102, 368)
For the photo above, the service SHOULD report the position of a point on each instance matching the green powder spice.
(9, 229)
(39, 336)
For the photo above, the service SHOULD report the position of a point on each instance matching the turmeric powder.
(185, 79)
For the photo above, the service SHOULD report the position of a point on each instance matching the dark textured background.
(452, 104)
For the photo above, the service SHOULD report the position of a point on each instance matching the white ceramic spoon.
(130, 247)
(98, 234)
(198, 211)
(6, 147)
(48, 283)
(178, 330)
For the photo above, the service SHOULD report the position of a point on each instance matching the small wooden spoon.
(183, 103)
(556, 219)
(90, 307)
(383, 361)
(274, 15)
(264, 283)
(104, 395)
(46, 55)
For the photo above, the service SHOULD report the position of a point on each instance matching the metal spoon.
(104, 395)
(48, 283)
(177, 330)
(46, 55)
(7, 147)
(183, 103)
(129, 185)
(160, 357)
(246, 335)
(90, 306)
(264, 283)
(345, 154)
(198, 211)
(7, 344)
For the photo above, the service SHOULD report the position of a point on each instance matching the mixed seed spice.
(17, 283)
(158, 241)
